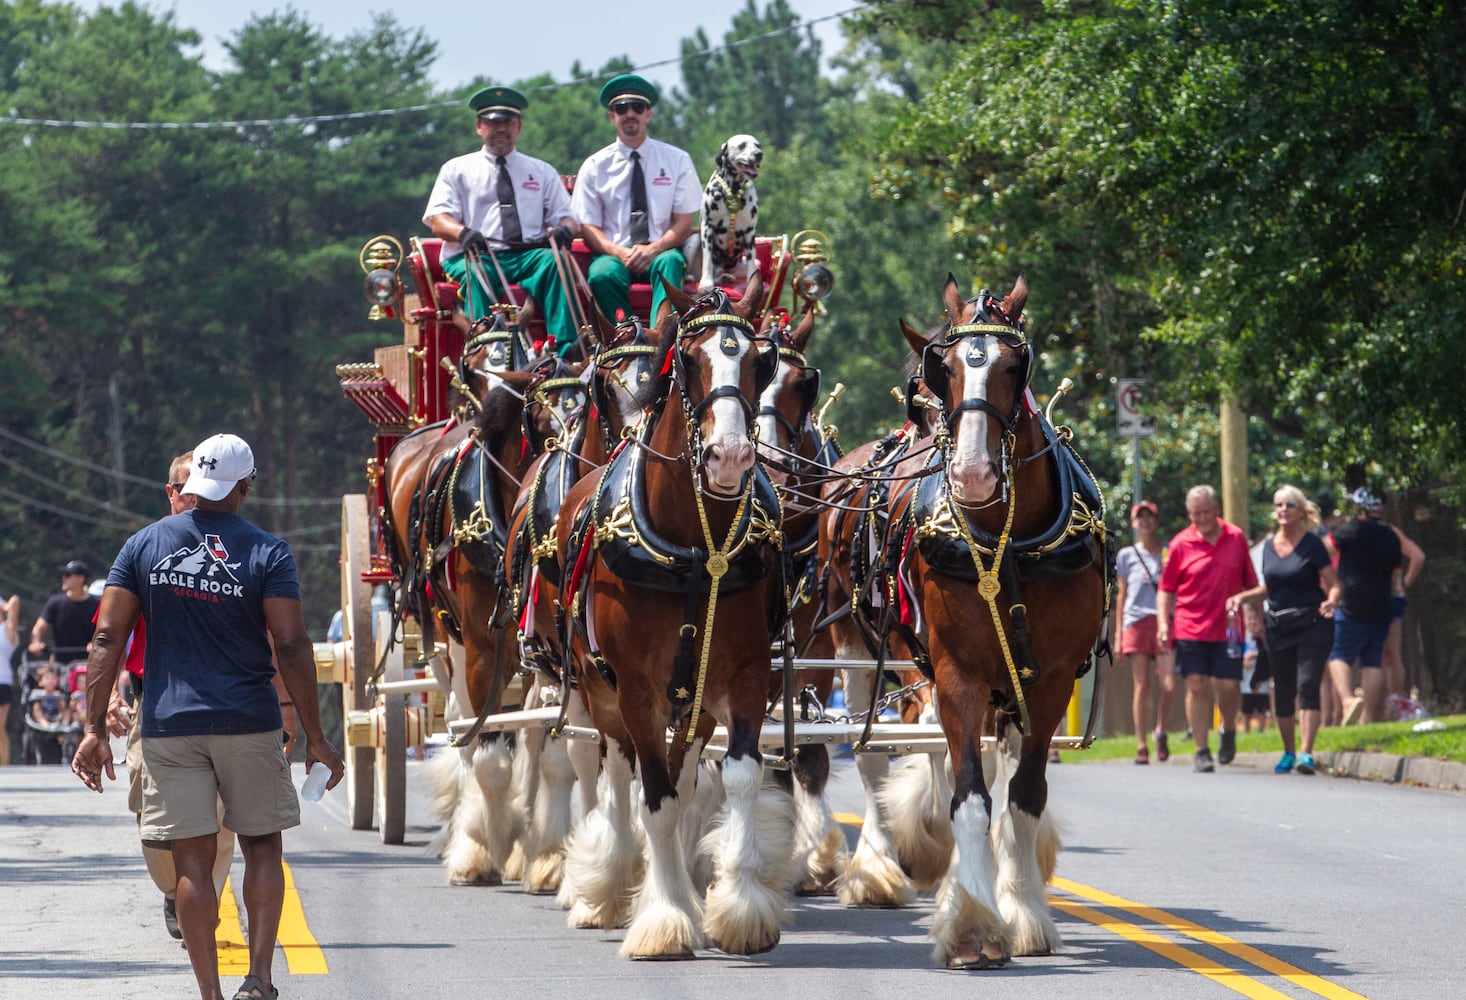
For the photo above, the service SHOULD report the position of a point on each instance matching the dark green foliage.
(1255, 200)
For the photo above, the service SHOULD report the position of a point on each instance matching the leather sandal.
(253, 989)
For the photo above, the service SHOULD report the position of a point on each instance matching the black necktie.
(640, 227)
(508, 211)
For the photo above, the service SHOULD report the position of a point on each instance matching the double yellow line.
(303, 956)
(1185, 957)
(1232, 979)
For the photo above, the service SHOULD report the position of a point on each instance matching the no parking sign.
(1131, 422)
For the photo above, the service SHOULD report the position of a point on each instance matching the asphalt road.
(1171, 885)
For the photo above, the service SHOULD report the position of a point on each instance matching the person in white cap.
(210, 584)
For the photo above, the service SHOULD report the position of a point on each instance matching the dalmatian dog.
(730, 214)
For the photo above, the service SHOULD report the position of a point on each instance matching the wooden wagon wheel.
(356, 633)
(391, 762)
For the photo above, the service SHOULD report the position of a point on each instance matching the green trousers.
(534, 271)
(610, 282)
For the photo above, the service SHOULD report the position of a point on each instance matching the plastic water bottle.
(1234, 635)
(314, 785)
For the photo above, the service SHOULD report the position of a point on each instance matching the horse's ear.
(680, 300)
(800, 337)
(605, 329)
(1017, 298)
(914, 337)
(952, 299)
(752, 302)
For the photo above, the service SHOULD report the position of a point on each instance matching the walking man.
(635, 200)
(124, 717)
(1207, 568)
(1369, 553)
(498, 199)
(210, 584)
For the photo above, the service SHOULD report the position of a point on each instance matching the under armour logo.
(209, 463)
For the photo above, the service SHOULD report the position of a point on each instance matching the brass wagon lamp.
(380, 258)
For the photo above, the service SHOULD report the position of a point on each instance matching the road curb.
(1421, 772)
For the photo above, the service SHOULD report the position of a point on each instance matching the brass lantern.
(815, 280)
(380, 258)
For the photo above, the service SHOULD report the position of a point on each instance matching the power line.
(63, 512)
(71, 494)
(410, 109)
(128, 477)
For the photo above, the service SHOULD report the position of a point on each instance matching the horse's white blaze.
(767, 424)
(725, 427)
(973, 472)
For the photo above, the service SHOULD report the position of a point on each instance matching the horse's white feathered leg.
(1020, 884)
(873, 876)
(603, 859)
(966, 910)
(752, 871)
(921, 833)
(665, 915)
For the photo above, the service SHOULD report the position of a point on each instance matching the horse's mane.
(659, 385)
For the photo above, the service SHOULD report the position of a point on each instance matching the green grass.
(1378, 737)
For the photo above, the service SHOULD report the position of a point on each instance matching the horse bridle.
(809, 390)
(933, 360)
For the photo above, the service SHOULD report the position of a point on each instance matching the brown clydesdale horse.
(621, 375)
(892, 861)
(1005, 561)
(449, 486)
(674, 594)
(798, 458)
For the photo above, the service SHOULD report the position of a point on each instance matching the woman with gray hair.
(1297, 574)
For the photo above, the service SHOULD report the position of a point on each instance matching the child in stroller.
(52, 732)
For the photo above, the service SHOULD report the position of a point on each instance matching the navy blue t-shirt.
(202, 577)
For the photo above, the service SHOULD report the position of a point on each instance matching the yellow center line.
(1231, 946)
(229, 938)
(1185, 957)
(303, 955)
(1196, 962)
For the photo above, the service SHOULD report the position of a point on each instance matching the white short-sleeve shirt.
(468, 188)
(603, 188)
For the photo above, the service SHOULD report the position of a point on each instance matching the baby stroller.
(54, 737)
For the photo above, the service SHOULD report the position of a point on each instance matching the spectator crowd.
(1302, 626)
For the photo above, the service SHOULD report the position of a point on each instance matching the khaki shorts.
(184, 775)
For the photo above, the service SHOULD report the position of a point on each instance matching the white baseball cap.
(1362, 497)
(218, 463)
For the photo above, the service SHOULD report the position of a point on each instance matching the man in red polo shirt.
(1206, 571)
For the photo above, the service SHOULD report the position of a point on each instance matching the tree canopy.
(1258, 200)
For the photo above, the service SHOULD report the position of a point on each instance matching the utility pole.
(1234, 464)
